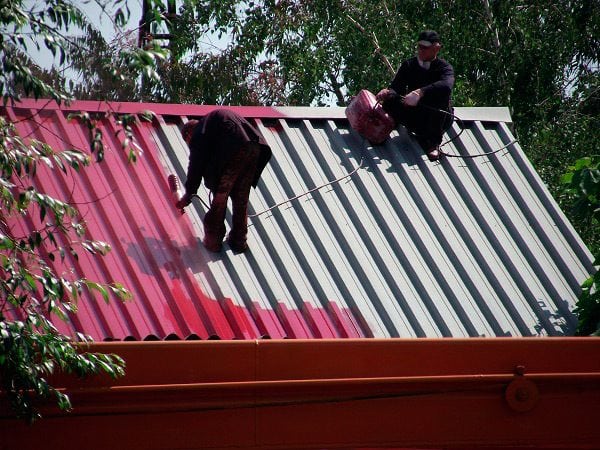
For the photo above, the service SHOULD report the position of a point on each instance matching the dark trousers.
(428, 124)
(235, 183)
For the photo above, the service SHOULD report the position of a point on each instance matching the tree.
(505, 53)
(33, 292)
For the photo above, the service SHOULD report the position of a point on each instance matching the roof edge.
(482, 114)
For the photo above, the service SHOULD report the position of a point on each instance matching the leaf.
(147, 115)
(93, 286)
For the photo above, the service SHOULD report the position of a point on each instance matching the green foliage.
(31, 347)
(582, 183)
(60, 27)
(31, 350)
(34, 293)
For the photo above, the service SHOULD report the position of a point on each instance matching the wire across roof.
(397, 247)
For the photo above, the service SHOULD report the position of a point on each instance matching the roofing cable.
(174, 181)
(337, 180)
(462, 128)
(450, 155)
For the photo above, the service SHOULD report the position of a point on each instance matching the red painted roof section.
(129, 206)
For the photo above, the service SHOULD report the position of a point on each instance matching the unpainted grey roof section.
(468, 246)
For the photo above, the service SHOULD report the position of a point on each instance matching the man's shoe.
(212, 244)
(434, 154)
(237, 246)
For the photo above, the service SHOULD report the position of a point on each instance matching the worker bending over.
(230, 154)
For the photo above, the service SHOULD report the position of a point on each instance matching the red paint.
(155, 251)
(137, 108)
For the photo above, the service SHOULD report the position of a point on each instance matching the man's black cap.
(428, 38)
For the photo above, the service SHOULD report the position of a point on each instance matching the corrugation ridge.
(503, 254)
(375, 215)
(485, 270)
(526, 247)
(95, 225)
(541, 252)
(441, 188)
(419, 245)
(188, 303)
(293, 322)
(347, 321)
(343, 244)
(97, 311)
(424, 206)
(267, 321)
(304, 222)
(321, 322)
(242, 322)
(388, 217)
(567, 232)
(135, 204)
(177, 158)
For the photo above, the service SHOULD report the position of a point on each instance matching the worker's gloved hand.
(412, 98)
(184, 201)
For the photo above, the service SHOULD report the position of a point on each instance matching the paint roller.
(175, 188)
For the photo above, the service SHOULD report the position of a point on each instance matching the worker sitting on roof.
(230, 154)
(419, 95)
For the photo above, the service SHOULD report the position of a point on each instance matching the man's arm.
(399, 84)
(195, 171)
(397, 87)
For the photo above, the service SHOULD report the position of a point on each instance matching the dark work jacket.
(436, 82)
(215, 139)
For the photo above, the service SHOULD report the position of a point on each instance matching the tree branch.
(374, 41)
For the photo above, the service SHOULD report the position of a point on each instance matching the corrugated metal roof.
(401, 248)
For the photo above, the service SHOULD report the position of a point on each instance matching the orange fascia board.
(315, 394)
